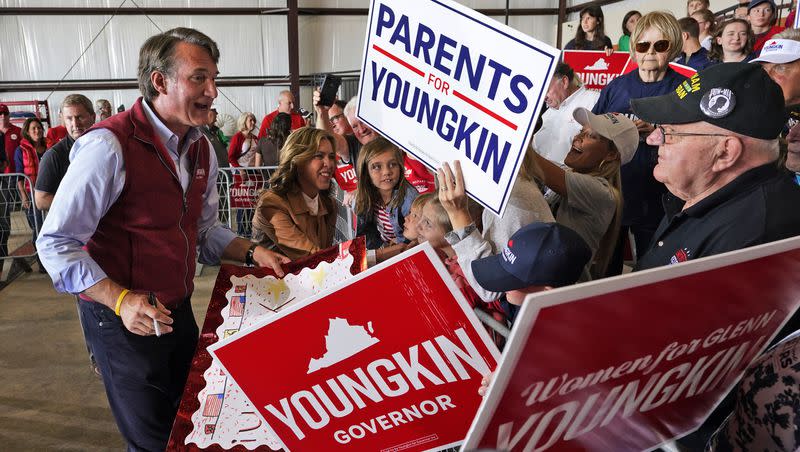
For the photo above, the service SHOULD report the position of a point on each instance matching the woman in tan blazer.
(298, 212)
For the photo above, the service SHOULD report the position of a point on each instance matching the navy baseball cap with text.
(539, 254)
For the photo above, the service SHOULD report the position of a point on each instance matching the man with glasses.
(781, 59)
(717, 138)
(565, 94)
(332, 120)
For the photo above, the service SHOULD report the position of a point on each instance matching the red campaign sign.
(685, 71)
(631, 362)
(244, 193)
(402, 375)
(595, 68)
(201, 361)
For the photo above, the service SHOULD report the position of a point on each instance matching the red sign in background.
(595, 68)
(245, 188)
(413, 385)
(208, 336)
(629, 363)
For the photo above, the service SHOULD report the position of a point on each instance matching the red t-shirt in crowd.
(54, 135)
(297, 122)
(764, 37)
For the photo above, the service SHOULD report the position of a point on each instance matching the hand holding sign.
(453, 195)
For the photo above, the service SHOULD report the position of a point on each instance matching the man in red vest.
(137, 203)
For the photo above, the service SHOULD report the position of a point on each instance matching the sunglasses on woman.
(660, 46)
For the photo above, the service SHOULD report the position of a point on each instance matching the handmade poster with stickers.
(213, 414)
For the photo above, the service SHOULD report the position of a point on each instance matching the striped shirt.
(384, 224)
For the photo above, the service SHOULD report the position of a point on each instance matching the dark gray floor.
(49, 397)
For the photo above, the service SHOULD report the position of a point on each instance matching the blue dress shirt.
(93, 183)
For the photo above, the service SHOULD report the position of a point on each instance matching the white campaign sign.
(446, 83)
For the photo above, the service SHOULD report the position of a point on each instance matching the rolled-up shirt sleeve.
(93, 182)
(213, 236)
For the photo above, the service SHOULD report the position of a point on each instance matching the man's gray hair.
(789, 33)
(350, 108)
(158, 51)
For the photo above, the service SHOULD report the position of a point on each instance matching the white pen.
(151, 298)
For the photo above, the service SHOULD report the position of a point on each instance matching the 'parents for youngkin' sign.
(446, 83)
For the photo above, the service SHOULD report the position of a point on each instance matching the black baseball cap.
(539, 254)
(739, 97)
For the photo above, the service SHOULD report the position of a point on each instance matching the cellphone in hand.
(327, 92)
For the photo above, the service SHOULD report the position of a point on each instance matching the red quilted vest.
(148, 239)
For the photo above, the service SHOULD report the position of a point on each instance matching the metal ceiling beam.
(47, 11)
(78, 85)
(294, 49)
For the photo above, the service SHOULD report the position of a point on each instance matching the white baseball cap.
(613, 126)
(779, 51)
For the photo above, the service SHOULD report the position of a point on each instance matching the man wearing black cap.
(538, 257)
(717, 156)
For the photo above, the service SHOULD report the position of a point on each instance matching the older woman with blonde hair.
(242, 150)
(243, 153)
(655, 42)
(298, 213)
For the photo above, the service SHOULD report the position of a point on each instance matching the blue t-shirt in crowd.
(640, 191)
(697, 61)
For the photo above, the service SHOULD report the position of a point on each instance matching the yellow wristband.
(119, 300)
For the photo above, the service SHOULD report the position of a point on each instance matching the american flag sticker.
(213, 405)
(237, 306)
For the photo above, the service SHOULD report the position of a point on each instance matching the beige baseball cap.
(616, 127)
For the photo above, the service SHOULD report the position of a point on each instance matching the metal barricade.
(239, 189)
(223, 188)
(20, 221)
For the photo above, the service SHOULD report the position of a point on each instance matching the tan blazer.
(287, 221)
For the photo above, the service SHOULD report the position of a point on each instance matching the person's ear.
(159, 81)
(727, 153)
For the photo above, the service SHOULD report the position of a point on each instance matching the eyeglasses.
(660, 136)
(660, 46)
(335, 118)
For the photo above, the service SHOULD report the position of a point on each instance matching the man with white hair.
(718, 147)
(780, 57)
(285, 105)
(565, 94)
